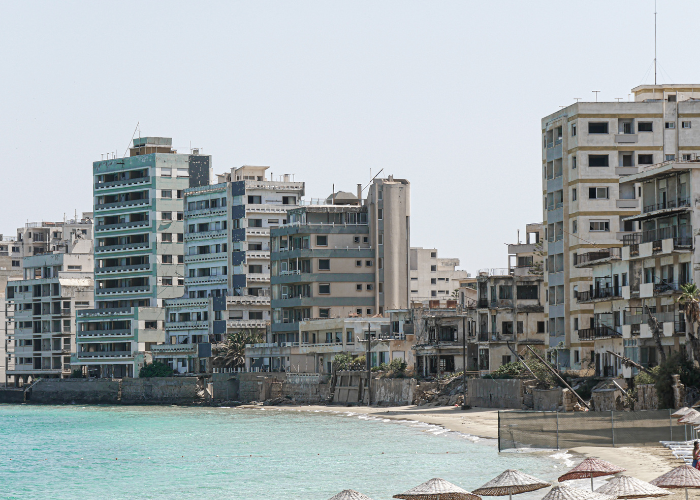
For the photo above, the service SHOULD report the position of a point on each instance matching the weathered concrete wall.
(225, 387)
(647, 398)
(60, 391)
(489, 393)
(11, 395)
(173, 390)
(393, 391)
(257, 386)
(606, 399)
(547, 400)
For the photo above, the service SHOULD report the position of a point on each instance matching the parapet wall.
(172, 390)
(62, 391)
(498, 393)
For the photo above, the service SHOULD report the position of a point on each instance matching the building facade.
(227, 264)
(433, 277)
(587, 148)
(139, 258)
(57, 282)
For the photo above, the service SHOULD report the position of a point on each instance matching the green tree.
(155, 369)
(662, 377)
(690, 300)
(231, 354)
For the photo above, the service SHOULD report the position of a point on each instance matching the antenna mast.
(654, 42)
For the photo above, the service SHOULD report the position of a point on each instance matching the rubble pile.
(447, 392)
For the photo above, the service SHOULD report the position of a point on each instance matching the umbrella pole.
(592, 484)
(686, 494)
(510, 496)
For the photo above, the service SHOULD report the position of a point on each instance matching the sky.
(448, 95)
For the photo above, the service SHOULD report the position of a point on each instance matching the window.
(573, 194)
(356, 239)
(166, 216)
(644, 127)
(325, 313)
(167, 259)
(181, 282)
(380, 214)
(180, 237)
(645, 159)
(526, 292)
(180, 259)
(166, 193)
(574, 227)
(433, 281)
(598, 193)
(358, 263)
(597, 127)
(505, 292)
(369, 287)
(289, 200)
(179, 194)
(255, 268)
(670, 157)
(380, 239)
(685, 124)
(601, 225)
(254, 200)
(273, 221)
(358, 287)
(573, 162)
(180, 216)
(321, 241)
(151, 325)
(671, 98)
(365, 239)
(167, 282)
(598, 161)
(540, 327)
(573, 130)
(519, 327)
(687, 157)
(380, 263)
(15, 263)
(324, 264)
(324, 288)
(368, 263)
(254, 222)
(369, 312)
(433, 269)
(166, 237)
(670, 125)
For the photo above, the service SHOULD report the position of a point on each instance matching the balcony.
(598, 332)
(122, 269)
(122, 225)
(104, 333)
(217, 233)
(187, 325)
(105, 354)
(599, 293)
(602, 255)
(682, 237)
(123, 204)
(667, 205)
(124, 289)
(482, 304)
(144, 245)
(124, 182)
(173, 349)
(204, 257)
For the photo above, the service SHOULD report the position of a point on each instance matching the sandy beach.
(646, 463)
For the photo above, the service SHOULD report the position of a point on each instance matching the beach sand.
(644, 462)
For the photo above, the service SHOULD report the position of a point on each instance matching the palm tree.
(231, 353)
(690, 299)
(656, 330)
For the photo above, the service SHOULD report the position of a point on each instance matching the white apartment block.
(587, 148)
(433, 277)
(41, 318)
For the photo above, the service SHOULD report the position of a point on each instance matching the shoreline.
(642, 462)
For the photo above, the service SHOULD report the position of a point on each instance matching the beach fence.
(564, 430)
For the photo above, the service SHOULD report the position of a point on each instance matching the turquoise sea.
(100, 452)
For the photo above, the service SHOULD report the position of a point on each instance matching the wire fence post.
(557, 429)
(612, 426)
(499, 426)
(670, 423)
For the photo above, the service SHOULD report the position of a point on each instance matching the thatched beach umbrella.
(680, 412)
(590, 468)
(631, 487)
(349, 495)
(510, 482)
(689, 417)
(566, 492)
(437, 489)
(684, 476)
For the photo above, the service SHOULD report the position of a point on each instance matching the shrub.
(398, 366)
(77, 373)
(155, 369)
(516, 369)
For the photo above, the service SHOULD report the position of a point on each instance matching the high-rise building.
(139, 259)
(57, 282)
(344, 257)
(433, 277)
(227, 263)
(586, 148)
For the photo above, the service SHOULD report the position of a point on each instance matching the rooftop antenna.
(654, 42)
(619, 98)
(596, 94)
(577, 99)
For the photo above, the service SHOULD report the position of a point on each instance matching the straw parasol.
(510, 482)
(437, 489)
(591, 467)
(679, 413)
(566, 492)
(684, 476)
(689, 416)
(349, 495)
(631, 487)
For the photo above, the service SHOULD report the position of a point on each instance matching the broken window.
(597, 127)
(627, 160)
(685, 124)
(670, 125)
(573, 130)
(599, 225)
(527, 292)
(254, 222)
(254, 200)
(646, 159)
(598, 161)
(598, 193)
(505, 292)
(644, 127)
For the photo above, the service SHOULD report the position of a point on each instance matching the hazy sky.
(446, 94)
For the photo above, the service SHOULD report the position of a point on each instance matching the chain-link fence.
(555, 430)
